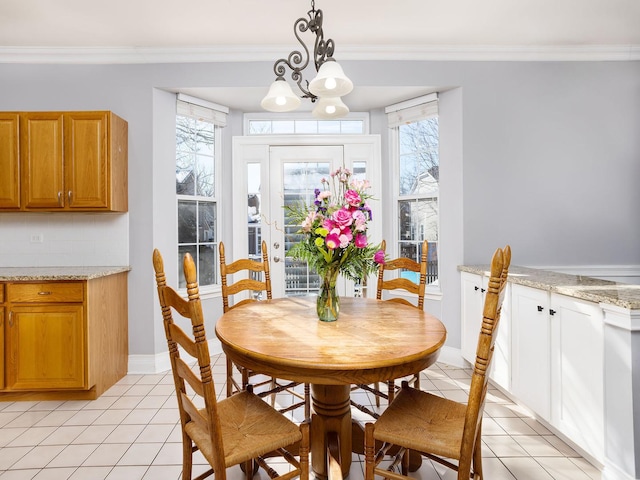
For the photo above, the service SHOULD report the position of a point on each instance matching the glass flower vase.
(328, 303)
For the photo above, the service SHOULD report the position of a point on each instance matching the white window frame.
(409, 111)
(304, 116)
(217, 114)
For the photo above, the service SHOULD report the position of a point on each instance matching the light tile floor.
(132, 433)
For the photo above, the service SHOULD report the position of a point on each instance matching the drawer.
(46, 292)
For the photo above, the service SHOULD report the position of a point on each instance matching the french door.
(276, 175)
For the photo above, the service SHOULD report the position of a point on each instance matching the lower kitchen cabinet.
(531, 360)
(1, 336)
(46, 348)
(474, 287)
(558, 363)
(64, 339)
(577, 371)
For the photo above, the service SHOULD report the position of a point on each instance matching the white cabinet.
(558, 363)
(474, 287)
(473, 290)
(531, 360)
(577, 372)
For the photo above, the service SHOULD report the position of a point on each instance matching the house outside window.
(197, 162)
(415, 140)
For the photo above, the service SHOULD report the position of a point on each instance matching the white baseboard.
(159, 362)
(613, 472)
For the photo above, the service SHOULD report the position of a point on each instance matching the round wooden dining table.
(372, 341)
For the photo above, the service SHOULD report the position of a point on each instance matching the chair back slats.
(196, 347)
(400, 283)
(250, 284)
(484, 352)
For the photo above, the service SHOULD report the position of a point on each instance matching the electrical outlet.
(37, 238)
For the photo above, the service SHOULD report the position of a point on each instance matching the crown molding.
(248, 53)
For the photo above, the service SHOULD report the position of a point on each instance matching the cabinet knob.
(44, 293)
(476, 288)
(69, 195)
(552, 311)
(10, 319)
(540, 308)
(482, 290)
(60, 199)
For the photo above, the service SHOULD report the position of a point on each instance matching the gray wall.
(555, 146)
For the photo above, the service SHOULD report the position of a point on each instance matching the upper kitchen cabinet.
(69, 161)
(9, 161)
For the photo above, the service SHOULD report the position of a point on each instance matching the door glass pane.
(254, 215)
(300, 179)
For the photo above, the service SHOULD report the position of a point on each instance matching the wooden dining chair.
(255, 284)
(416, 290)
(443, 430)
(239, 430)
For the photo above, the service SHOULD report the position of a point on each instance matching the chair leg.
(229, 378)
(477, 456)
(307, 403)
(273, 395)
(187, 457)
(377, 387)
(391, 390)
(369, 451)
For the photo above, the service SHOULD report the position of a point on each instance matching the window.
(415, 153)
(304, 124)
(197, 154)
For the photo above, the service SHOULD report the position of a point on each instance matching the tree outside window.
(418, 165)
(195, 190)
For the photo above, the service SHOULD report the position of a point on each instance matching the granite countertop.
(587, 288)
(30, 274)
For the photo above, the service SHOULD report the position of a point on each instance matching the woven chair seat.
(423, 422)
(250, 429)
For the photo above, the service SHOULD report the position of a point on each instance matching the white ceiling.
(124, 31)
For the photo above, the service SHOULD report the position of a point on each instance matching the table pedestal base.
(332, 413)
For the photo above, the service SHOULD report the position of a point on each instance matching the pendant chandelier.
(325, 89)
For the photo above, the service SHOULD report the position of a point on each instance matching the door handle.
(276, 259)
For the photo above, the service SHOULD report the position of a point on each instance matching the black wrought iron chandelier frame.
(297, 61)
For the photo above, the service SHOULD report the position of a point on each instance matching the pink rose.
(342, 218)
(379, 257)
(352, 198)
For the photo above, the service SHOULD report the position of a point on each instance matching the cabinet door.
(577, 374)
(9, 161)
(531, 368)
(471, 309)
(86, 157)
(42, 160)
(500, 372)
(46, 347)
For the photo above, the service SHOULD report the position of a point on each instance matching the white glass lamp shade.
(330, 81)
(330, 107)
(280, 98)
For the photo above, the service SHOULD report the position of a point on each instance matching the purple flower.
(361, 240)
(379, 257)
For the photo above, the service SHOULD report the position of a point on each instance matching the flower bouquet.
(335, 236)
